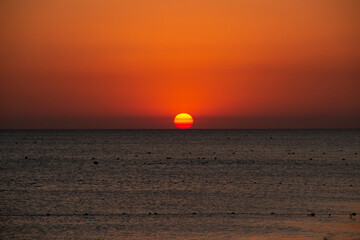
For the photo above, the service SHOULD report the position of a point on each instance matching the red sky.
(138, 63)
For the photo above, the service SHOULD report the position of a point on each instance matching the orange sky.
(136, 64)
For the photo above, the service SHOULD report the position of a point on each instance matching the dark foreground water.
(175, 184)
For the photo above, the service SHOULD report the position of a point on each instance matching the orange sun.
(183, 120)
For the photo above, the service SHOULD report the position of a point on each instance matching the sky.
(136, 64)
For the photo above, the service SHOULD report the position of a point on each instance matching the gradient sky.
(138, 63)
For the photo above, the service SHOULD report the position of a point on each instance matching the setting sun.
(183, 120)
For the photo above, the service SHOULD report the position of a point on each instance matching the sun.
(183, 120)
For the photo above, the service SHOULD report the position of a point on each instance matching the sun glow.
(183, 120)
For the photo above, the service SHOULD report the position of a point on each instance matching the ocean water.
(180, 184)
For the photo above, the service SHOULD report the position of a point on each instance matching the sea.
(180, 184)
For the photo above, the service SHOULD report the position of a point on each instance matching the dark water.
(168, 184)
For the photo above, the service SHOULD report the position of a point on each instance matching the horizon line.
(165, 129)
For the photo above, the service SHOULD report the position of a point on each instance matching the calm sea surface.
(176, 184)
